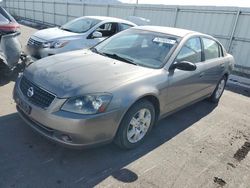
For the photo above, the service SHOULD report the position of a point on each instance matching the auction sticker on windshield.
(164, 40)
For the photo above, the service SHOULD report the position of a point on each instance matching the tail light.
(11, 27)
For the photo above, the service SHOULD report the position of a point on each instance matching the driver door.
(185, 86)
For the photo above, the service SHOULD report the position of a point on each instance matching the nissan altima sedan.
(79, 33)
(119, 89)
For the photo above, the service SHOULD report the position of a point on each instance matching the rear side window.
(3, 19)
(5, 16)
(191, 51)
(125, 26)
(211, 49)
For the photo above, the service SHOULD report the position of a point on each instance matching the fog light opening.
(66, 138)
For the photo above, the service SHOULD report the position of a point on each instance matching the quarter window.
(211, 49)
(191, 51)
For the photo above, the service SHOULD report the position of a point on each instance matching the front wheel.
(135, 125)
(215, 97)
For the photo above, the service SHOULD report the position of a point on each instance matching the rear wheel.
(215, 97)
(136, 125)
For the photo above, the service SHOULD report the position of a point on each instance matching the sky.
(239, 3)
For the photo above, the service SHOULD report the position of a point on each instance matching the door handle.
(222, 66)
(202, 74)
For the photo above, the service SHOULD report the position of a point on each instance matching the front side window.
(107, 29)
(211, 49)
(191, 51)
(80, 25)
(144, 48)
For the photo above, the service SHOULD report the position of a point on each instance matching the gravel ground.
(201, 146)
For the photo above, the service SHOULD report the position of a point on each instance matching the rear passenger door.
(214, 62)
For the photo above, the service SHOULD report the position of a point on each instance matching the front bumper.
(69, 129)
(35, 48)
(39, 53)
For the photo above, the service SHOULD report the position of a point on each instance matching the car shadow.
(238, 89)
(27, 159)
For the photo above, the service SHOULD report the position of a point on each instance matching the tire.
(125, 138)
(5, 72)
(215, 97)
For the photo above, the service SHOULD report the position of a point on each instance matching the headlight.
(47, 44)
(88, 104)
(56, 44)
(59, 44)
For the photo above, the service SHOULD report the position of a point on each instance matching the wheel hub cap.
(139, 125)
(220, 88)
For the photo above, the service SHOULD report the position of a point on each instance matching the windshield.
(144, 48)
(80, 25)
(5, 16)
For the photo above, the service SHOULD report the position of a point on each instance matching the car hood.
(81, 72)
(54, 33)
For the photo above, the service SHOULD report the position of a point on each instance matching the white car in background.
(80, 33)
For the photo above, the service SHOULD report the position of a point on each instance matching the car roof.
(110, 19)
(168, 30)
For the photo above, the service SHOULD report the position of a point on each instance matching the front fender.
(126, 98)
(142, 92)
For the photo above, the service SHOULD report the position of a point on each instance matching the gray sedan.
(120, 88)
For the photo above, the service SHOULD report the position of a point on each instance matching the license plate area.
(33, 50)
(23, 105)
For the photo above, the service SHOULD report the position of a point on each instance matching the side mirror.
(96, 34)
(183, 65)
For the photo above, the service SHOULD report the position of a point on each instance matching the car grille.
(40, 97)
(35, 42)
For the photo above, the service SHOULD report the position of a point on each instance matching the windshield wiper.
(124, 59)
(114, 56)
(93, 49)
(65, 29)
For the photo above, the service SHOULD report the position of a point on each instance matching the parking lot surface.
(204, 145)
